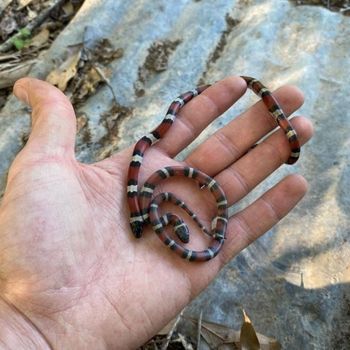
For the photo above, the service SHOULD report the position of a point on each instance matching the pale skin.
(72, 274)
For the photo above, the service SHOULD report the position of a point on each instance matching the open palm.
(72, 274)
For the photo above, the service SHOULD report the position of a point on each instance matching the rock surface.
(293, 282)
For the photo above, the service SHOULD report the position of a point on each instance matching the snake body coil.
(144, 208)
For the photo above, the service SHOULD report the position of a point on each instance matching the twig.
(199, 329)
(302, 280)
(7, 45)
(170, 334)
(106, 81)
(9, 76)
(13, 58)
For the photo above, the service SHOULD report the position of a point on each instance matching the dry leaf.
(82, 121)
(31, 14)
(216, 334)
(40, 39)
(65, 72)
(68, 9)
(248, 337)
(219, 336)
(104, 52)
(23, 3)
(86, 84)
(168, 327)
(94, 76)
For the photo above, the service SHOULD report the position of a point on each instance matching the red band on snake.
(144, 207)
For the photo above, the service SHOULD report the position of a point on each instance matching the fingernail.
(21, 94)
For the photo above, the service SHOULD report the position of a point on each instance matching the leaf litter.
(209, 334)
(27, 29)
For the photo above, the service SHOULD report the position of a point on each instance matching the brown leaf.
(104, 52)
(168, 327)
(65, 72)
(96, 75)
(68, 8)
(40, 39)
(31, 15)
(82, 121)
(23, 3)
(86, 84)
(222, 337)
(217, 334)
(248, 337)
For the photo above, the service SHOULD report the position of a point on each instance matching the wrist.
(17, 331)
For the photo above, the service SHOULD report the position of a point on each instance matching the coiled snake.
(144, 208)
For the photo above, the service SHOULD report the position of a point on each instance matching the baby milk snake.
(144, 208)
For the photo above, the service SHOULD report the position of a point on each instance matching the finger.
(53, 119)
(232, 141)
(242, 176)
(195, 116)
(249, 224)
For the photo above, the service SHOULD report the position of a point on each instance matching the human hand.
(72, 274)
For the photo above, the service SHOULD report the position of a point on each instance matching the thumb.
(53, 119)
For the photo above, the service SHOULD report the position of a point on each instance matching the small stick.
(170, 334)
(199, 328)
(106, 81)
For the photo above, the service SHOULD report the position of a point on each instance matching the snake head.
(181, 231)
(137, 228)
